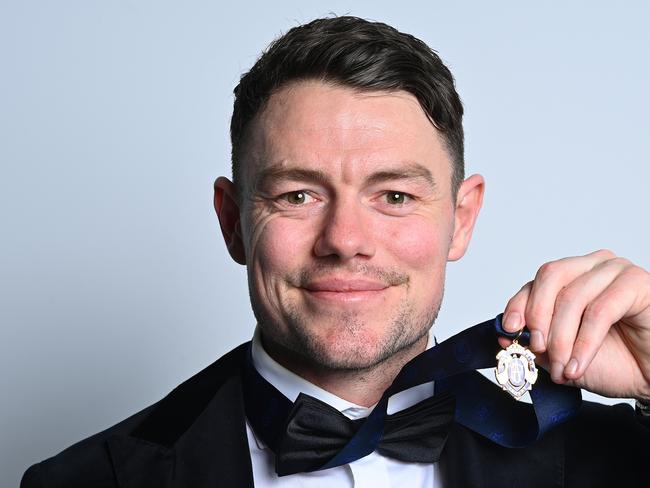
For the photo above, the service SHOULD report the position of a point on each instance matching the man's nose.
(346, 231)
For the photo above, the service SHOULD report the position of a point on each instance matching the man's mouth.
(345, 290)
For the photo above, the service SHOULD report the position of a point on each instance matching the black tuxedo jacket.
(196, 438)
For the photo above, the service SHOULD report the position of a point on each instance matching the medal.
(516, 371)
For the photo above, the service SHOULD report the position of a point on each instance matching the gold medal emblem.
(516, 371)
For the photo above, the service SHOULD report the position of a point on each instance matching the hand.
(589, 319)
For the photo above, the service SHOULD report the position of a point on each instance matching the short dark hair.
(363, 55)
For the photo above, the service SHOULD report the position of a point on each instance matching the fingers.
(513, 317)
(533, 305)
(569, 327)
(618, 300)
(549, 281)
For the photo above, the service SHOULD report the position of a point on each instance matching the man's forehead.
(314, 105)
(315, 123)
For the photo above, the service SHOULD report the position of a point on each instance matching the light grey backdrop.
(114, 282)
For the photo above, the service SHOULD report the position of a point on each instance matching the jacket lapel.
(195, 437)
(215, 452)
(140, 464)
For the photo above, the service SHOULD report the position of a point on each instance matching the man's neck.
(362, 387)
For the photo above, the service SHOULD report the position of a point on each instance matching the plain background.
(115, 285)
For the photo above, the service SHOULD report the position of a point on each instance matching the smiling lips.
(352, 290)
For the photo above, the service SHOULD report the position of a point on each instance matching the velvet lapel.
(195, 437)
(140, 464)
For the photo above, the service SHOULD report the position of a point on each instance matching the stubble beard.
(350, 353)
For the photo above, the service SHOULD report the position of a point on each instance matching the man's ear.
(468, 205)
(227, 208)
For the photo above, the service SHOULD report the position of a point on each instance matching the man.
(348, 199)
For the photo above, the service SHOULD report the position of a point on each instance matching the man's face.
(347, 222)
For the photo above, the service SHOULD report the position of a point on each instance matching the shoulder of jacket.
(88, 463)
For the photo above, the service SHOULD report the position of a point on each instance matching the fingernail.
(512, 321)
(536, 340)
(557, 371)
(571, 367)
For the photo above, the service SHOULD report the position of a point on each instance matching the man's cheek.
(267, 236)
(418, 246)
(281, 246)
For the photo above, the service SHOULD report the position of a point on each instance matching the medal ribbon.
(480, 405)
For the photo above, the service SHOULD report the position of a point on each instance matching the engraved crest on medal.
(516, 371)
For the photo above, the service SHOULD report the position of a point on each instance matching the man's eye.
(296, 197)
(396, 197)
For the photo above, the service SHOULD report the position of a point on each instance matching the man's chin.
(356, 353)
(346, 359)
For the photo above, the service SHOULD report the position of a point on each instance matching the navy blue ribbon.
(480, 405)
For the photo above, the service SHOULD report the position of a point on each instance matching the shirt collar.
(291, 385)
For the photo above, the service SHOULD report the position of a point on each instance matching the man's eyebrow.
(412, 171)
(277, 172)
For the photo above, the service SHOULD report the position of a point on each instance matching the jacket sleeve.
(32, 478)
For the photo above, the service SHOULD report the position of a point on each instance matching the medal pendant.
(516, 371)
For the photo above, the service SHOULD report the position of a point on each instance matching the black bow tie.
(315, 432)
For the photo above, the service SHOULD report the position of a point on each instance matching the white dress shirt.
(372, 471)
